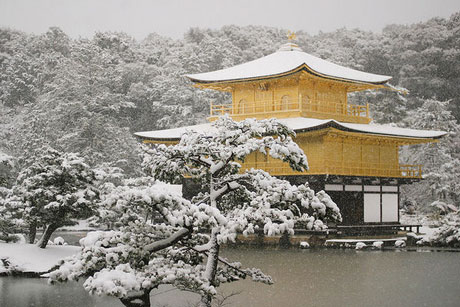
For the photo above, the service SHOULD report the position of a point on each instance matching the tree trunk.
(211, 269)
(285, 241)
(32, 232)
(47, 235)
(137, 301)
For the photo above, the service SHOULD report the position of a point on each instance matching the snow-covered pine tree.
(243, 201)
(55, 189)
(183, 249)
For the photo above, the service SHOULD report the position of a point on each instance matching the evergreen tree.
(441, 160)
(54, 190)
(184, 249)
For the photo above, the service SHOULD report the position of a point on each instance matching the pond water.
(316, 277)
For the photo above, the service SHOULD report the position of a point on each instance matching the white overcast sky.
(173, 17)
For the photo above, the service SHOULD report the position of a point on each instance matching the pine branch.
(162, 244)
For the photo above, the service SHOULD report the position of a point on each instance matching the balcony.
(333, 168)
(411, 171)
(288, 108)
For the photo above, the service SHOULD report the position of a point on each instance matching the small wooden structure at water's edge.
(355, 162)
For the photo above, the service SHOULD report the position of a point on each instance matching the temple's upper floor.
(290, 83)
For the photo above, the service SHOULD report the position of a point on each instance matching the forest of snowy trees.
(90, 95)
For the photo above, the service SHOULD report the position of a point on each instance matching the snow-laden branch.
(164, 243)
(229, 186)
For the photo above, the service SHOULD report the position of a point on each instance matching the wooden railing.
(251, 108)
(316, 109)
(350, 169)
(358, 110)
(221, 109)
(324, 107)
(412, 171)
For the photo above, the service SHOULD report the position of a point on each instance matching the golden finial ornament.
(291, 36)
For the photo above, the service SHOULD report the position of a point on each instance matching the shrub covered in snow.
(447, 235)
(360, 245)
(137, 257)
(400, 243)
(11, 221)
(442, 208)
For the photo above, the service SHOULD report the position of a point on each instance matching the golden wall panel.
(337, 154)
(292, 96)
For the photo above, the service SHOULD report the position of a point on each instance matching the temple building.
(354, 161)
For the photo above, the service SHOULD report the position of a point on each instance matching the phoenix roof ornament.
(291, 36)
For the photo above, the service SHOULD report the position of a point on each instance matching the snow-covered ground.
(31, 258)
(429, 226)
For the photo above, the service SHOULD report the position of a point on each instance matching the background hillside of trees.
(90, 95)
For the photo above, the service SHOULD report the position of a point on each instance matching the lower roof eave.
(336, 125)
(305, 125)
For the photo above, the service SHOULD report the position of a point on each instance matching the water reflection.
(303, 278)
(35, 292)
(350, 278)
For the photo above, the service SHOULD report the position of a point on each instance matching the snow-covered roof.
(301, 124)
(285, 61)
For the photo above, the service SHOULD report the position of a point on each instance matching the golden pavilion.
(354, 161)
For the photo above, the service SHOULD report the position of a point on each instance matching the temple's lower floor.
(362, 200)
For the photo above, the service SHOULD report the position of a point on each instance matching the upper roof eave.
(282, 63)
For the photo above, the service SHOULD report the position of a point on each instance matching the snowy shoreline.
(31, 261)
(27, 260)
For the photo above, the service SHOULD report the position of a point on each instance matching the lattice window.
(243, 107)
(284, 104)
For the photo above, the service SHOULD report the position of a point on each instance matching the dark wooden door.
(351, 205)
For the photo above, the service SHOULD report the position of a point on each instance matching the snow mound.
(304, 245)
(21, 238)
(360, 245)
(400, 243)
(377, 244)
(59, 241)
